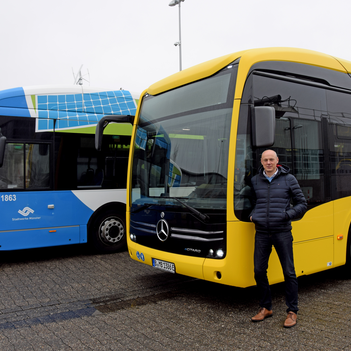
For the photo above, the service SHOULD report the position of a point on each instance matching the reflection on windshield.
(172, 162)
(184, 155)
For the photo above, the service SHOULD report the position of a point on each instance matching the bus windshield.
(182, 142)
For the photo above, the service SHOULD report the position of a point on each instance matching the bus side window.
(299, 140)
(37, 166)
(12, 171)
(339, 134)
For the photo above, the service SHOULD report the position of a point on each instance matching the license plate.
(166, 266)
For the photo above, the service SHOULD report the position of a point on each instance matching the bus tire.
(108, 232)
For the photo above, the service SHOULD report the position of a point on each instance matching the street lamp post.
(179, 43)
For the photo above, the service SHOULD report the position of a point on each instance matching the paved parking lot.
(68, 299)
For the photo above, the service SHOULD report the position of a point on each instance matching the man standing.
(273, 188)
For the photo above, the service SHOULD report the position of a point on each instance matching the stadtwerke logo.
(26, 211)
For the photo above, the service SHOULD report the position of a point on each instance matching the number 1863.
(8, 197)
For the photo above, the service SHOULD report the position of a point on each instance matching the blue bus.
(55, 187)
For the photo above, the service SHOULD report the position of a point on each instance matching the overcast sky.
(130, 43)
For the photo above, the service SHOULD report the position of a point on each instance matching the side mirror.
(103, 123)
(262, 126)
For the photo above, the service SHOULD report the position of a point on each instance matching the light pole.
(178, 43)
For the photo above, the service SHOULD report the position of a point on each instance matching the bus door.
(301, 145)
(301, 142)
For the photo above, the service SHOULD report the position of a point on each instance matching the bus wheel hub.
(111, 231)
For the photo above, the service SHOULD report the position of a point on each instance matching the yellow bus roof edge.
(248, 58)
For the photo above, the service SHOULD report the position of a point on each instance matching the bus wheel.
(108, 232)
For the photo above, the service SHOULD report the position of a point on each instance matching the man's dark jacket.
(272, 210)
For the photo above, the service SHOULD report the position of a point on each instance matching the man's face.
(269, 161)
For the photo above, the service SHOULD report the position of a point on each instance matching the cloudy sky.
(130, 43)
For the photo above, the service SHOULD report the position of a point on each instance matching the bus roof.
(247, 59)
(71, 106)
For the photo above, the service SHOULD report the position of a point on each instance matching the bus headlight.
(133, 237)
(220, 253)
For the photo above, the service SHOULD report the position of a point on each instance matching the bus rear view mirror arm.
(103, 123)
(262, 126)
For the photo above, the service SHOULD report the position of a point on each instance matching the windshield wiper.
(193, 210)
(140, 208)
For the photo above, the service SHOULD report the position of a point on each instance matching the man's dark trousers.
(263, 248)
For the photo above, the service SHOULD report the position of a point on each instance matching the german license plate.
(166, 266)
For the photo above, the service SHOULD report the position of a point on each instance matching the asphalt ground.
(69, 299)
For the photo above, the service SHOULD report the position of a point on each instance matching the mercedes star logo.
(162, 230)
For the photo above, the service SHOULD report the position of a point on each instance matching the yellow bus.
(197, 140)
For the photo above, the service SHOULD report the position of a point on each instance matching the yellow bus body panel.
(237, 269)
(317, 223)
(342, 220)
